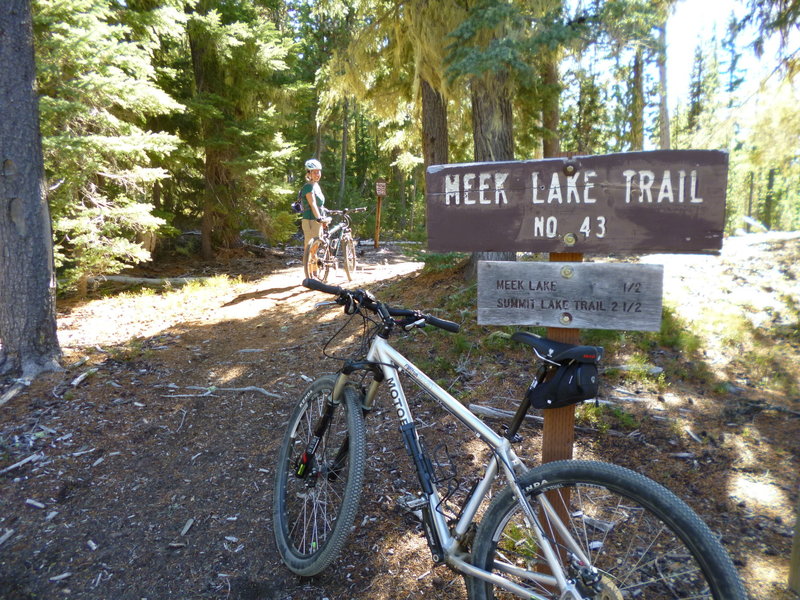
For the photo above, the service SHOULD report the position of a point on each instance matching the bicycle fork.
(306, 462)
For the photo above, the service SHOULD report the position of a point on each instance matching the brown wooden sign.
(661, 201)
(580, 295)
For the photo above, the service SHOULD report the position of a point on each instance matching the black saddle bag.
(571, 383)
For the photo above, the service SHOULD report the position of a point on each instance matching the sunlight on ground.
(760, 495)
(232, 373)
(409, 548)
(119, 318)
(764, 573)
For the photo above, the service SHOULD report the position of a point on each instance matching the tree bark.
(493, 137)
(663, 112)
(637, 102)
(219, 200)
(551, 145)
(28, 340)
(435, 139)
(492, 118)
(343, 164)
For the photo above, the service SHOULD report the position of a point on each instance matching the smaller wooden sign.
(380, 188)
(575, 295)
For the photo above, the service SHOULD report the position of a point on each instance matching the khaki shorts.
(311, 229)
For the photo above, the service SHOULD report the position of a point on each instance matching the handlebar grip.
(313, 284)
(442, 324)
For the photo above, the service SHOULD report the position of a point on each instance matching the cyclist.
(313, 201)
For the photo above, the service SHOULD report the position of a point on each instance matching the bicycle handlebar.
(365, 299)
(344, 211)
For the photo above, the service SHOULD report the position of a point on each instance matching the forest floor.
(154, 451)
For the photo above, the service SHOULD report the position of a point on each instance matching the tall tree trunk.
(343, 164)
(205, 68)
(207, 221)
(435, 139)
(551, 145)
(492, 118)
(28, 341)
(399, 204)
(401, 192)
(663, 106)
(493, 138)
(637, 101)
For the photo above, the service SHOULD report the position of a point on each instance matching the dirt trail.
(146, 486)
(154, 451)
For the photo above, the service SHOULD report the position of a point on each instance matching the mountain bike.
(322, 253)
(572, 529)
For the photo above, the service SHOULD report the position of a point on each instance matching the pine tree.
(96, 95)
(237, 57)
(733, 73)
(28, 341)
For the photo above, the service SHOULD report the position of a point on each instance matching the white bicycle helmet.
(313, 163)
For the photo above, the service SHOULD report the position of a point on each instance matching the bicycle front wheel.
(319, 477)
(349, 258)
(316, 260)
(644, 541)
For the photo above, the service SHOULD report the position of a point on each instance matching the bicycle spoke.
(638, 551)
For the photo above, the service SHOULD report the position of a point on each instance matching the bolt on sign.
(570, 294)
(660, 201)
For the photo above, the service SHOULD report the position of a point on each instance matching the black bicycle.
(323, 252)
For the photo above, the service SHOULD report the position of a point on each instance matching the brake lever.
(326, 303)
(413, 324)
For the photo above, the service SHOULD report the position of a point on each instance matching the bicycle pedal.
(412, 504)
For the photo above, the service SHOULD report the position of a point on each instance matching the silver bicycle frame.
(504, 458)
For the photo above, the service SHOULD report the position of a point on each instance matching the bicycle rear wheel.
(316, 260)
(349, 258)
(318, 478)
(644, 541)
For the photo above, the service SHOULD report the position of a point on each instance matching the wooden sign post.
(662, 201)
(558, 427)
(380, 192)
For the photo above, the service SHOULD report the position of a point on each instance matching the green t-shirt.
(318, 196)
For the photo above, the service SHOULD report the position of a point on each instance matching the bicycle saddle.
(558, 351)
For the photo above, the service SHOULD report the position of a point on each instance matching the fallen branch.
(251, 388)
(24, 461)
(80, 378)
(13, 391)
(5, 536)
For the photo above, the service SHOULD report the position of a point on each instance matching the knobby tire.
(644, 540)
(316, 260)
(349, 252)
(313, 514)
